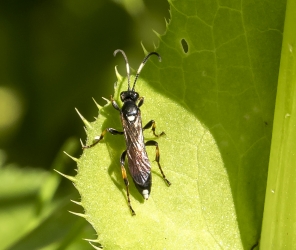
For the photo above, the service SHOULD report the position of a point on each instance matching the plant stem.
(279, 219)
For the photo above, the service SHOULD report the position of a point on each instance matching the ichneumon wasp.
(130, 114)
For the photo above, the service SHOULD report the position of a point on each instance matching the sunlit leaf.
(213, 94)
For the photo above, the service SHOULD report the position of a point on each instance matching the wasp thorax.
(130, 110)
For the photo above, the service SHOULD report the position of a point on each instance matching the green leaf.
(181, 215)
(215, 102)
(31, 217)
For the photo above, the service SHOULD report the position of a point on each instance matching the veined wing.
(138, 161)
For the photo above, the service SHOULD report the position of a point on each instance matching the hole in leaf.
(184, 45)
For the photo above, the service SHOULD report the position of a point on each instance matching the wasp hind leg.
(126, 182)
(152, 124)
(157, 157)
(99, 138)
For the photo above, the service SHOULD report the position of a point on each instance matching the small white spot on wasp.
(131, 118)
(145, 194)
(96, 138)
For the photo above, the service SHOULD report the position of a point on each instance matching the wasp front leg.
(152, 124)
(99, 138)
(141, 101)
(114, 104)
(157, 158)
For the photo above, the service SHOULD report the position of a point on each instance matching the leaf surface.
(215, 102)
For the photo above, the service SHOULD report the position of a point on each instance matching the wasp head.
(129, 96)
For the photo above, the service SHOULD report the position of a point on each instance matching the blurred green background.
(55, 56)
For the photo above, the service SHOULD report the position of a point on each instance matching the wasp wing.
(138, 162)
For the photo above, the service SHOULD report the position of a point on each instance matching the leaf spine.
(86, 123)
(106, 100)
(77, 202)
(98, 105)
(71, 178)
(119, 77)
(73, 158)
(78, 214)
(95, 247)
(144, 49)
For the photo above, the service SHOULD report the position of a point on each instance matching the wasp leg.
(157, 157)
(114, 104)
(98, 138)
(141, 101)
(152, 124)
(126, 182)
